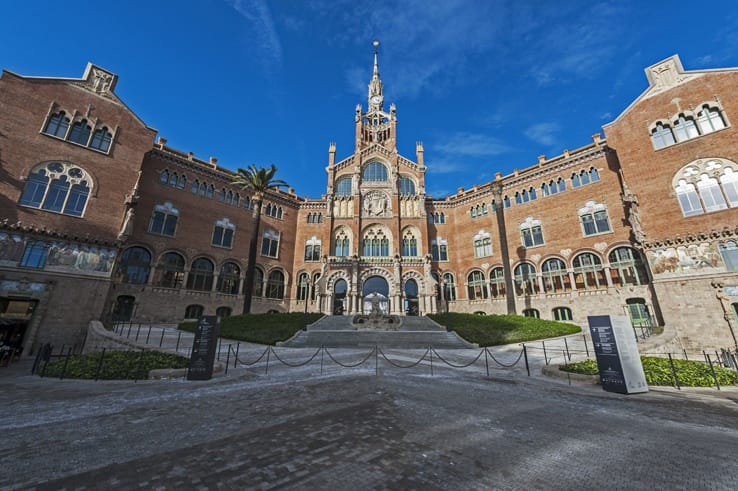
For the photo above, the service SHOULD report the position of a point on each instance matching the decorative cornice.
(19, 227)
(691, 238)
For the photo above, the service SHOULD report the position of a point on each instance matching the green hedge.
(492, 330)
(117, 365)
(260, 328)
(658, 372)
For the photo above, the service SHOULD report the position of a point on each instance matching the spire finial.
(375, 74)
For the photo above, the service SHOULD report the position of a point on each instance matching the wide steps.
(383, 339)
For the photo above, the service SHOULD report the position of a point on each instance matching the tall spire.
(376, 96)
(375, 74)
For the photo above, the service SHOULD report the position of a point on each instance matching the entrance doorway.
(339, 297)
(412, 304)
(123, 308)
(15, 314)
(379, 286)
(638, 312)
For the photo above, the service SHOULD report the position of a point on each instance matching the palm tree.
(258, 181)
(502, 230)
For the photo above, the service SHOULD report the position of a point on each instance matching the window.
(554, 275)
(707, 185)
(223, 233)
(478, 210)
(544, 189)
(58, 125)
(258, 283)
(101, 140)
(273, 211)
(588, 272)
(709, 120)
(303, 285)
(525, 279)
(169, 271)
(194, 311)
(449, 287)
(729, 252)
(562, 314)
(201, 275)
(59, 187)
(437, 218)
(164, 220)
(315, 218)
(135, 265)
(626, 267)
(275, 285)
(531, 313)
(594, 176)
(375, 243)
(210, 192)
(575, 180)
(409, 245)
(476, 286)
(685, 129)
(312, 249)
(594, 220)
(482, 244)
(374, 172)
(661, 136)
(342, 244)
(531, 233)
(562, 184)
(223, 312)
(35, 254)
(248, 203)
(80, 132)
(506, 202)
(439, 249)
(270, 244)
(407, 186)
(229, 278)
(344, 187)
(497, 282)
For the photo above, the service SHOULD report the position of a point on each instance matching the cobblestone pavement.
(353, 429)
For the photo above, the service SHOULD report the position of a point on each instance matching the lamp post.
(502, 231)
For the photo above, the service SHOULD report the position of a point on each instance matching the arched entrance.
(123, 308)
(412, 305)
(372, 285)
(339, 297)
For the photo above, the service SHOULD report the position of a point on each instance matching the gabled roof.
(666, 75)
(96, 80)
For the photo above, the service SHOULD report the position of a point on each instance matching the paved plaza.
(371, 427)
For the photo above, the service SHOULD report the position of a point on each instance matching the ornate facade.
(100, 222)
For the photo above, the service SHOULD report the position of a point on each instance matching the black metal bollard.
(228, 359)
(430, 352)
(138, 331)
(486, 360)
(712, 369)
(148, 335)
(235, 360)
(566, 345)
(179, 336)
(586, 347)
(161, 340)
(525, 355)
(545, 356)
(130, 326)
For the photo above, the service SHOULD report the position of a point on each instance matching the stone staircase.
(340, 332)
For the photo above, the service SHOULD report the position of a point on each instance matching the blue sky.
(486, 85)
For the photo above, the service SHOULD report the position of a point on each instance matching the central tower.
(375, 125)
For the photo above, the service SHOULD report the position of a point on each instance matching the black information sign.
(203, 349)
(606, 350)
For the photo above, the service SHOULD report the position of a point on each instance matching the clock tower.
(375, 125)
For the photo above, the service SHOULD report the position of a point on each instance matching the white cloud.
(266, 38)
(543, 133)
(471, 144)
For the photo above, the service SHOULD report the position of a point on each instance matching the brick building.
(100, 222)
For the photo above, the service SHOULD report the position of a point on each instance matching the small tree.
(258, 181)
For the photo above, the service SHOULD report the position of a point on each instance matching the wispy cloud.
(267, 42)
(471, 144)
(543, 133)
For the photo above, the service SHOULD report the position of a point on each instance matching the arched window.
(169, 271)
(312, 249)
(258, 283)
(101, 139)
(303, 285)
(689, 201)
(57, 186)
(661, 136)
(229, 278)
(506, 202)
(409, 244)
(626, 267)
(588, 272)
(194, 311)
(562, 184)
(584, 177)
(164, 219)
(476, 286)
(134, 265)
(594, 219)
(518, 198)
(575, 180)
(270, 244)
(439, 249)
(710, 193)
(210, 192)
(275, 285)
(497, 282)
(201, 275)
(223, 312)
(562, 314)
(407, 186)
(449, 287)
(80, 132)
(374, 172)
(532, 193)
(342, 244)
(709, 120)
(544, 189)
(203, 189)
(685, 129)
(482, 244)
(344, 186)
(531, 313)
(594, 176)
(375, 243)
(223, 233)
(531, 232)
(525, 279)
(58, 125)
(555, 277)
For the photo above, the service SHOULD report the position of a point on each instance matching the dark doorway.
(15, 315)
(339, 297)
(378, 285)
(123, 308)
(412, 304)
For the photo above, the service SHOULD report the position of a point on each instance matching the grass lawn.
(492, 330)
(260, 328)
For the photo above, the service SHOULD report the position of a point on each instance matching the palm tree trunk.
(248, 288)
(502, 230)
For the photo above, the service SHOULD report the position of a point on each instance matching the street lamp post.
(502, 230)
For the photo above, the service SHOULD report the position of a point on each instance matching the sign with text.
(203, 349)
(617, 354)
